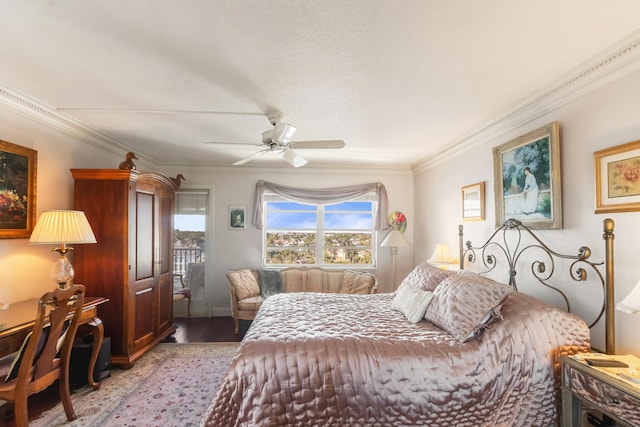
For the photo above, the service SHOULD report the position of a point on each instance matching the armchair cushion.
(356, 282)
(245, 283)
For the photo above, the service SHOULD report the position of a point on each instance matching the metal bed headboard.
(507, 244)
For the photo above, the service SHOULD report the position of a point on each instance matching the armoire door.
(165, 263)
(145, 289)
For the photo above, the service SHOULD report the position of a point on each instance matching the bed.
(486, 355)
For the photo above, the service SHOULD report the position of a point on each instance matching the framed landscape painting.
(617, 171)
(17, 190)
(527, 179)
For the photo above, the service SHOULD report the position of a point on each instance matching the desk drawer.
(12, 343)
(605, 397)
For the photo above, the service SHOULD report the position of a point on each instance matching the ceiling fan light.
(294, 158)
(282, 132)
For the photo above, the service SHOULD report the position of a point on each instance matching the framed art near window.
(17, 190)
(473, 202)
(236, 218)
(617, 171)
(527, 179)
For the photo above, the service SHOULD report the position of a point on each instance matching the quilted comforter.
(312, 359)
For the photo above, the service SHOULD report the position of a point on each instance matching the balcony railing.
(184, 256)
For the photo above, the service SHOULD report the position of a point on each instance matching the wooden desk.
(18, 319)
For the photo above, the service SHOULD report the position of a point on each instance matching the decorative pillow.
(270, 282)
(426, 277)
(357, 282)
(412, 302)
(465, 304)
(245, 283)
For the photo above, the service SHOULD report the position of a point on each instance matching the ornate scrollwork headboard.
(513, 242)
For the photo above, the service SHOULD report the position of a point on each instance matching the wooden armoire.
(131, 214)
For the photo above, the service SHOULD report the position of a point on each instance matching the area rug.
(172, 385)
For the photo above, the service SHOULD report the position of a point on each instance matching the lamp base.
(64, 285)
(62, 272)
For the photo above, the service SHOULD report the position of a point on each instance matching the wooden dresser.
(131, 214)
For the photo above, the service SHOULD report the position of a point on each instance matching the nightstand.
(584, 387)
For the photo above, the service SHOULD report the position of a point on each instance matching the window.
(337, 234)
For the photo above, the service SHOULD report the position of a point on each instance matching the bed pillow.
(245, 283)
(426, 277)
(412, 302)
(464, 304)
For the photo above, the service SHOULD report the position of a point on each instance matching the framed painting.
(617, 171)
(527, 179)
(473, 202)
(17, 190)
(236, 218)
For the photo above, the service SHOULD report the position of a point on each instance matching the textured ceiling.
(397, 80)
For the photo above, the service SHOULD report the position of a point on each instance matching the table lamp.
(442, 256)
(62, 227)
(394, 240)
(631, 304)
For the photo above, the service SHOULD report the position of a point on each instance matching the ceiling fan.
(278, 141)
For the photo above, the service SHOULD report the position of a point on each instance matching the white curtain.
(322, 195)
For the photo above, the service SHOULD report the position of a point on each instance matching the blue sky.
(189, 222)
(343, 220)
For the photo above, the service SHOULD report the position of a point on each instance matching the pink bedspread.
(312, 359)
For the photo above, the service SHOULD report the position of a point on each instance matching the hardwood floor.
(205, 329)
(194, 329)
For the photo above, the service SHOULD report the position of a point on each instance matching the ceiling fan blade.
(251, 157)
(233, 143)
(338, 143)
(294, 158)
(282, 132)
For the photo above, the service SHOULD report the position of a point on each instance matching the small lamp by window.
(631, 304)
(394, 240)
(63, 228)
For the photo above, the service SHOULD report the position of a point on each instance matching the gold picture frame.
(617, 172)
(17, 190)
(527, 179)
(473, 202)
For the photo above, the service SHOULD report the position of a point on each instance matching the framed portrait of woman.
(527, 179)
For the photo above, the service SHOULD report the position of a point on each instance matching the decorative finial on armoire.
(178, 180)
(128, 164)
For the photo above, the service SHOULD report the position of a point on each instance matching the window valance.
(322, 195)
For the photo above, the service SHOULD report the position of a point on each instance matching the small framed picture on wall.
(473, 202)
(236, 220)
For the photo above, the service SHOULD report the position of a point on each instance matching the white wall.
(234, 249)
(25, 268)
(604, 118)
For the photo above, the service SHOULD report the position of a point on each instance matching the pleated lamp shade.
(62, 228)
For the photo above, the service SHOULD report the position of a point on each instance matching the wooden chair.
(182, 292)
(44, 356)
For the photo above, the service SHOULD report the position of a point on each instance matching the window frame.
(320, 230)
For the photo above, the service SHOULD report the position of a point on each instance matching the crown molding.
(52, 118)
(616, 62)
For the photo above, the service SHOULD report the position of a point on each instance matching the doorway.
(189, 248)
